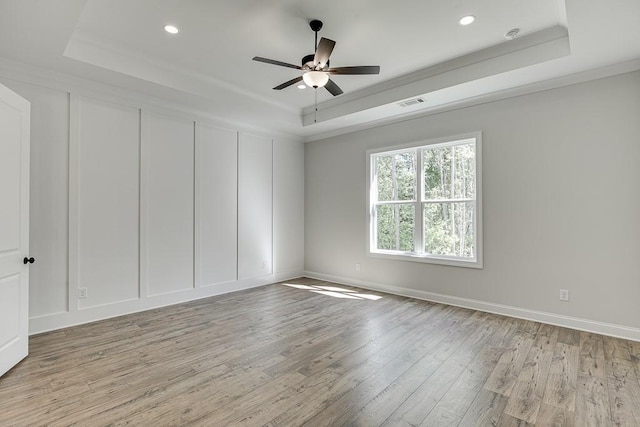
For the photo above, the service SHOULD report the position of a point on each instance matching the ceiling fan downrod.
(316, 25)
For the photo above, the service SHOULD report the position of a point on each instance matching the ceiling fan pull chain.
(315, 113)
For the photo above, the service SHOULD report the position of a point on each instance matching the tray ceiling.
(123, 41)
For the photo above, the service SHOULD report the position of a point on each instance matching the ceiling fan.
(315, 67)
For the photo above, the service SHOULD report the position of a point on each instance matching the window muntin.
(424, 202)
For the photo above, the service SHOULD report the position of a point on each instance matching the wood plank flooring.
(285, 356)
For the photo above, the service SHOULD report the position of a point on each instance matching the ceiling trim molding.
(85, 47)
(69, 83)
(542, 46)
(558, 82)
(540, 37)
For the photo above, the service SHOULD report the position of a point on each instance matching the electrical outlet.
(264, 265)
(82, 293)
(564, 295)
(357, 267)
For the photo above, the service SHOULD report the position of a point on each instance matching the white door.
(14, 228)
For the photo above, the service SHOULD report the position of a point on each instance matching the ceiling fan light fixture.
(466, 20)
(301, 86)
(315, 79)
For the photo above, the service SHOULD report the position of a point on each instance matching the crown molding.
(86, 47)
(71, 83)
(554, 83)
(542, 46)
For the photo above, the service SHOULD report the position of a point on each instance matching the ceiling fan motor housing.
(307, 62)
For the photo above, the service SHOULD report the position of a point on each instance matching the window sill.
(448, 261)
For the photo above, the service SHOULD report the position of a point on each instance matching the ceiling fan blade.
(333, 88)
(363, 69)
(289, 83)
(274, 62)
(323, 52)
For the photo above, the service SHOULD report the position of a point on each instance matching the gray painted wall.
(561, 170)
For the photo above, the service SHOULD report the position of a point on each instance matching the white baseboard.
(610, 329)
(66, 319)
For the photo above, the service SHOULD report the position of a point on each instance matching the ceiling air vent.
(411, 102)
(512, 34)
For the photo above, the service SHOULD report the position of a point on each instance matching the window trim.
(424, 258)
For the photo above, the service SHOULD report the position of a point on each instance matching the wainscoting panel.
(216, 205)
(105, 206)
(167, 214)
(125, 208)
(255, 206)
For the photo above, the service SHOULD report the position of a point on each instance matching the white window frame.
(419, 202)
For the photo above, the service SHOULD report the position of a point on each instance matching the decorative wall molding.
(80, 90)
(610, 329)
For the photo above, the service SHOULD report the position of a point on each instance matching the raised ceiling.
(218, 38)
(418, 44)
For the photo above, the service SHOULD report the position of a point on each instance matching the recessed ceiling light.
(302, 86)
(171, 29)
(466, 20)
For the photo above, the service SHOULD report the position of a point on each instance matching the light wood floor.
(282, 356)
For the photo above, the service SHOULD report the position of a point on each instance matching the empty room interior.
(296, 212)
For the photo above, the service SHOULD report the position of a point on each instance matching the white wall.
(136, 201)
(561, 207)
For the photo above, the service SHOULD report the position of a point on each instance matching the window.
(425, 204)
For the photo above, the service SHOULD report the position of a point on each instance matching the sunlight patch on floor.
(299, 286)
(335, 292)
(368, 296)
(334, 289)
